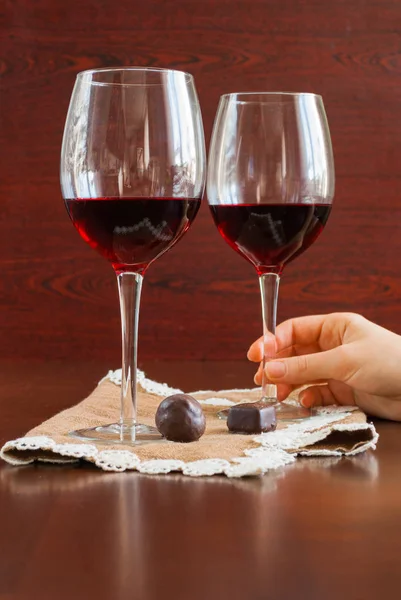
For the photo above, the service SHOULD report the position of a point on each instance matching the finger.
(259, 375)
(306, 335)
(333, 364)
(297, 351)
(321, 331)
(300, 332)
(334, 392)
(258, 379)
(317, 395)
(264, 346)
(255, 352)
(283, 390)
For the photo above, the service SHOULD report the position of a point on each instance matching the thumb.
(309, 367)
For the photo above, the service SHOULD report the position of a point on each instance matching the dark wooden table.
(320, 529)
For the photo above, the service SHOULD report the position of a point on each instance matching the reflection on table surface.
(322, 526)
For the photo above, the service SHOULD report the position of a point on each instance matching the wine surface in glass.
(270, 235)
(132, 232)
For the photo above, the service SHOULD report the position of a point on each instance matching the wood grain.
(326, 528)
(58, 299)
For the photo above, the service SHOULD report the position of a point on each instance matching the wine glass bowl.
(270, 189)
(132, 178)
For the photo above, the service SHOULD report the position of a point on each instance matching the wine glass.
(132, 178)
(270, 189)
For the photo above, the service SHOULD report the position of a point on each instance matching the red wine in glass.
(270, 189)
(132, 176)
(132, 232)
(270, 235)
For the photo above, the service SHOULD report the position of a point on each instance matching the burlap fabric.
(334, 432)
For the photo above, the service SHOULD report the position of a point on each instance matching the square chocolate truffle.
(252, 417)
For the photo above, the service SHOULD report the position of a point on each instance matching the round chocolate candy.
(180, 418)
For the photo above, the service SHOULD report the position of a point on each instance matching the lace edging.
(276, 449)
(148, 385)
(123, 460)
(163, 389)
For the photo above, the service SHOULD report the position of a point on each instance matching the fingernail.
(302, 399)
(275, 369)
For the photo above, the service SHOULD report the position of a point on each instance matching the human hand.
(343, 358)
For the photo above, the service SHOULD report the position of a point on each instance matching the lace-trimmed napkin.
(335, 431)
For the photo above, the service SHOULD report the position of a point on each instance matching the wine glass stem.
(269, 284)
(129, 289)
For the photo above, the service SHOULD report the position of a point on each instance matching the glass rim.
(81, 76)
(268, 95)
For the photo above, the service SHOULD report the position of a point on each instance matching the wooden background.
(58, 299)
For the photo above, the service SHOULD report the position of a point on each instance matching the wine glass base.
(115, 433)
(284, 412)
